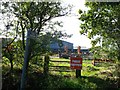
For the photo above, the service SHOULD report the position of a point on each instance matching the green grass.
(93, 77)
(87, 68)
(101, 70)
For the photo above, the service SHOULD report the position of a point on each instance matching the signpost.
(76, 63)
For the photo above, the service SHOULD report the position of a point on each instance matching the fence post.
(78, 72)
(46, 65)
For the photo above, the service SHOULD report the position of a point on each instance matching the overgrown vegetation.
(100, 76)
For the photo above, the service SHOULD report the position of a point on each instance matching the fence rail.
(60, 61)
(59, 68)
(97, 61)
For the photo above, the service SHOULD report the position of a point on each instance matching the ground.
(100, 76)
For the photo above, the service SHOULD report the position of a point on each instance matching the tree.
(102, 23)
(8, 48)
(37, 18)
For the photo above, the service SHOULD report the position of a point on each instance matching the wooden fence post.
(78, 72)
(46, 65)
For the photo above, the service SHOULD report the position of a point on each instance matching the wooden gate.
(60, 65)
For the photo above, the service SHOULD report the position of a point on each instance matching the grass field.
(99, 76)
(93, 77)
(87, 67)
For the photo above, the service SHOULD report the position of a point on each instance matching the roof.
(55, 45)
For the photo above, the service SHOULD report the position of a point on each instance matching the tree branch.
(23, 34)
(13, 39)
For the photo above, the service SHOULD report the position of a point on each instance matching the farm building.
(55, 47)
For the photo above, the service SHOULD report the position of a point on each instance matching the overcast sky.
(72, 25)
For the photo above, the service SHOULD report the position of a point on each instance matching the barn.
(56, 46)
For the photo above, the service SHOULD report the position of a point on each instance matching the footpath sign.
(76, 63)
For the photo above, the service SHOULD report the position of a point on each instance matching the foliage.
(14, 55)
(35, 17)
(39, 18)
(101, 22)
(93, 77)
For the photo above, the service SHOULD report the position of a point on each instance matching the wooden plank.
(62, 70)
(97, 61)
(61, 66)
(59, 61)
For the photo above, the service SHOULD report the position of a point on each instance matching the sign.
(76, 63)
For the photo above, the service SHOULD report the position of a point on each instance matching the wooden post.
(78, 72)
(46, 65)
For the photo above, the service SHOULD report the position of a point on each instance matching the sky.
(72, 25)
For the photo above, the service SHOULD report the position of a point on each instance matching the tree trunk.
(23, 34)
(26, 62)
(23, 41)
